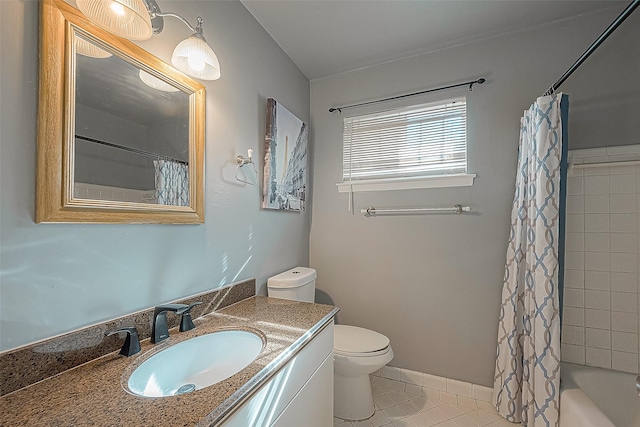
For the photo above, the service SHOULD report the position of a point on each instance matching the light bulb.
(194, 57)
(196, 62)
(117, 8)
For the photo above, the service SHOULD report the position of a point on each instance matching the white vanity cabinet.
(300, 394)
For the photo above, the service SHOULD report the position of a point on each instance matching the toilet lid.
(352, 339)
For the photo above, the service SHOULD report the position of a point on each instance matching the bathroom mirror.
(120, 133)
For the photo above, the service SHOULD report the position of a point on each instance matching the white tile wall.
(600, 300)
(574, 335)
(574, 298)
(83, 190)
(598, 338)
(599, 280)
(573, 279)
(601, 321)
(573, 353)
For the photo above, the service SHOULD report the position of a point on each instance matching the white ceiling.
(325, 37)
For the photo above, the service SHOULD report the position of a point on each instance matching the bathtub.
(594, 397)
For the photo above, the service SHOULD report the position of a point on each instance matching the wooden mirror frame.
(56, 127)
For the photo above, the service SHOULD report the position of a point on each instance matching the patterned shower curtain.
(172, 183)
(527, 376)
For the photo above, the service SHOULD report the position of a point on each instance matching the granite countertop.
(93, 394)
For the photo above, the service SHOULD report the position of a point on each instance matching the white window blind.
(417, 141)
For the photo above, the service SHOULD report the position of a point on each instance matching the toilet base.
(352, 398)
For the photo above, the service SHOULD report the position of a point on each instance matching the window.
(415, 147)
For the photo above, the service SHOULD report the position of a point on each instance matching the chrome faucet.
(159, 328)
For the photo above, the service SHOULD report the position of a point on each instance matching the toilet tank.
(298, 284)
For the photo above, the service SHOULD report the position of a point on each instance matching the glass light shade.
(156, 83)
(125, 18)
(194, 57)
(86, 48)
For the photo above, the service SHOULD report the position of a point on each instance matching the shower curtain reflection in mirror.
(172, 183)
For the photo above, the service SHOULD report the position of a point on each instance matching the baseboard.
(435, 387)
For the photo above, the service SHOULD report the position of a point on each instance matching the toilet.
(357, 351)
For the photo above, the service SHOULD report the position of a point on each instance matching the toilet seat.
(353, 341)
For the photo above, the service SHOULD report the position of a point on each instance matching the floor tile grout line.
(464, 411)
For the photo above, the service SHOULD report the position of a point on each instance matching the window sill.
(440, 181)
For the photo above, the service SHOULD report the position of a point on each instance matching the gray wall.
(95, 163)
(58, 277)
(605, 91)
(432, 283)
(171, 137)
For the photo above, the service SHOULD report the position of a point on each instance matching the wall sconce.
(140, 19)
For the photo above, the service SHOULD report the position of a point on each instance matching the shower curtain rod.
(470, 84)
(615, 24)
(132, 150)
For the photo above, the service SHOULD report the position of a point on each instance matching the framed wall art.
(285, 160)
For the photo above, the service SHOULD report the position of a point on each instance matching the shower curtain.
(172, 183)
(527, 375)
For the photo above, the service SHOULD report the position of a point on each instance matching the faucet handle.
(131, 344)
(186, 323)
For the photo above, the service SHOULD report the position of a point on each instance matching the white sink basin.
(195, 363)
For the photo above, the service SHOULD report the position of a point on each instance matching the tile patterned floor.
(409, 408)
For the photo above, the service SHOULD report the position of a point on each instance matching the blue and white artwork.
(285, 160)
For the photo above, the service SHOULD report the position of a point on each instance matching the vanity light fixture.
(140, 19)
(155, 83)
(86, 48)
(194, 57)
(124, 18)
